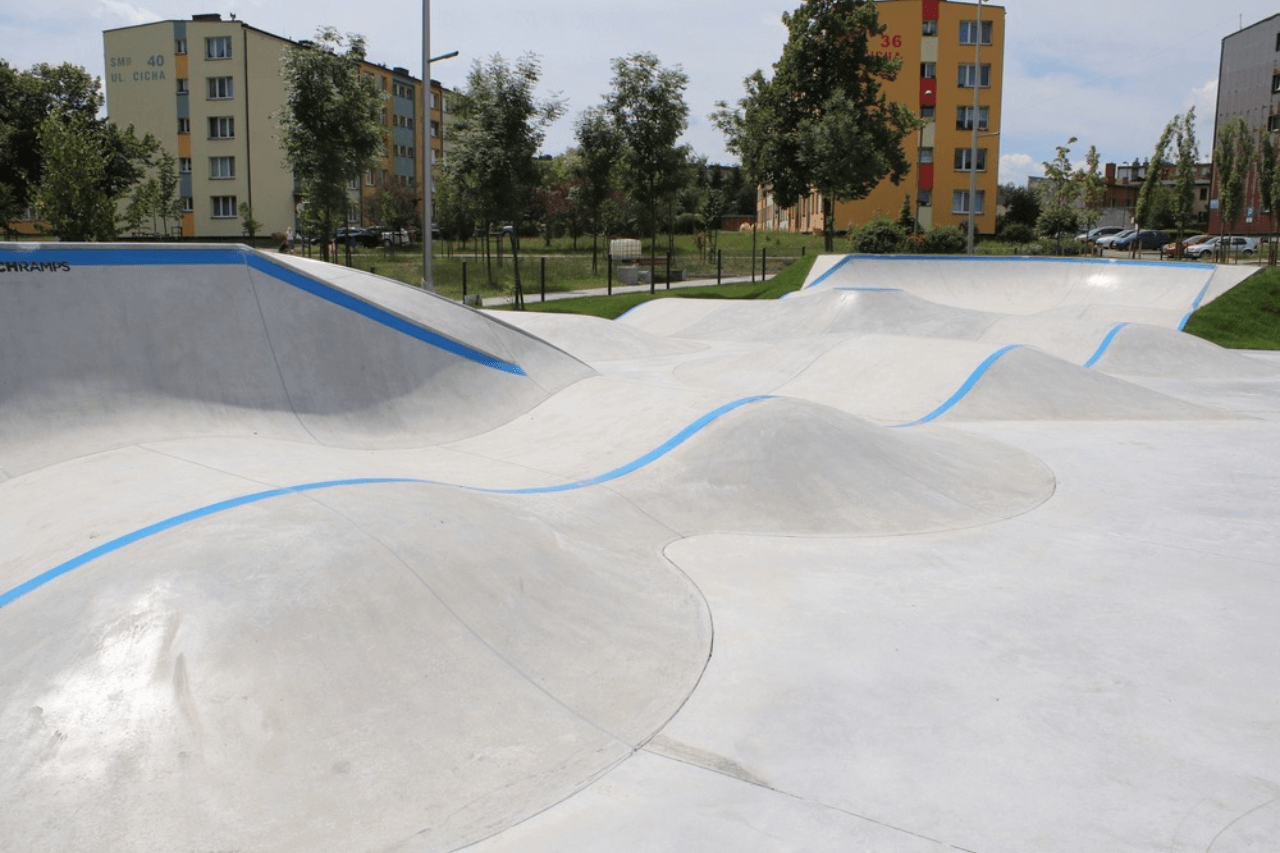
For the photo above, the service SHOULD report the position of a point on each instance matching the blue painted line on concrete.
(965, 388)
(1194, 305)
(168, 524)
(1106, 342)
(838, 264)
(236, 256)
(378, 315)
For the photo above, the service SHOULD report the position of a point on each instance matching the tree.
(1151, 191)
(498, 130)
(71, 195)
(395, 204)
(1269, 184)
(598, 147)
(1184, 142)
(331, 124)
(1233, 158)
(822, 121)
(1059, 193)
(649, 114)
(247, 222)
(1022, 206)
(1093, 188)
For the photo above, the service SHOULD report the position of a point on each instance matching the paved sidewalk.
(533, 295)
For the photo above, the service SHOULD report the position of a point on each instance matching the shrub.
(944, 240)
(878, 237)
(1017, 232)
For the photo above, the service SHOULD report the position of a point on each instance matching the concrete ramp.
(160, 341)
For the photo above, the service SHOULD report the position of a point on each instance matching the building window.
(927, 111)
(925, 198)
(444, 104)
(969, 32)
(218, 47)
(1204, 193)
(224, 207)
(368, 179)
(433, 100)
(180, 47)
(967, 76)
(964, 159)
(353, 184)
(960, 201)
(188, 204)
(930, 28)
(926, 155)
(184, 165)
(1275, 82)
(435, 129)
(1273, 123)
(1278, 42)
(220, 88)
(964, 118)
(222, 168)
(182, 85)
(184, 125)
(222, 127)
(928, 70)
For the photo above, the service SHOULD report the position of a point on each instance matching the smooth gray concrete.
(934, 555)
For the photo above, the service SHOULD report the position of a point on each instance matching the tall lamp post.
(919, 167)
(976, 80)
(428, 274)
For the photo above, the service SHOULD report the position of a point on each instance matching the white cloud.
(1016, 168)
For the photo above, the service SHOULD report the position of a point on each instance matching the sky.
(1111, 73)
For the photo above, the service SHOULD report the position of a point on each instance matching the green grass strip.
(1245, 317)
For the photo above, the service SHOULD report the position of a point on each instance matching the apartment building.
(210, 90)
(948, 50)
(1249, 86)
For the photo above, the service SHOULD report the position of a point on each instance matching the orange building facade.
(947, 50)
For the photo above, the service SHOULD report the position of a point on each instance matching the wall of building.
(1249, 86)
(919, 32)
(147, 68)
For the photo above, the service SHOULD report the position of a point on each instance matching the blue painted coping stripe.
(1106, 342)
(167, 524)
(965, 388)
(1194, 305)
(232, 256)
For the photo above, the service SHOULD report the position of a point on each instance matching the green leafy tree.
(142, 206)
(247, 222)
(1059, 194)
(27, 98)
(598, 148)
(499, 127)
(1233, 159)
(166, 202)
(1188, 151)
(395, 204)
(649, 114)
(331, 124)
(1022, 205)
(1269, 184)
(1152, 194)
(822, 122)
(71, 194)
(1093, 188)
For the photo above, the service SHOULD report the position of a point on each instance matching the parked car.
(1145, 239)
(1172, 248)
(1106, 241)
(358, 236)
(1236, 245)
(1097, 233)
(390, 236)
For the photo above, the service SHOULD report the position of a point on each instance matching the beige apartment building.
(947, 50)
(209, 90)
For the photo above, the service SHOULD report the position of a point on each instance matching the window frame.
(966, 32)
(216, 171)
(964, 155)
(220, 201)
(963, 113)
(218, 123)
(215, 55)
(967, 71)
(960, 199)
(213, 84)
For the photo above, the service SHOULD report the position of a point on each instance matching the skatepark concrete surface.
(934, 554)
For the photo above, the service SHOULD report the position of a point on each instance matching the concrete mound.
(787, 466)
(350, 668)
(151, 342)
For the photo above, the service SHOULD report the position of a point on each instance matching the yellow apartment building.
(209, 90)
(947, 51)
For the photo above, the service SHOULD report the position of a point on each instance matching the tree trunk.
(828, 225)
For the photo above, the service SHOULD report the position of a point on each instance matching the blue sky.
(1109, 72)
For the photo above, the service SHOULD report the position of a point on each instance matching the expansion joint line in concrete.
(9, 596)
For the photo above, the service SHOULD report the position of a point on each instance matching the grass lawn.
(610, 307)
(1245, 317)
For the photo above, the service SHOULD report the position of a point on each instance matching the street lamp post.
(428, 277)
(976, 80)
(920, 166)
